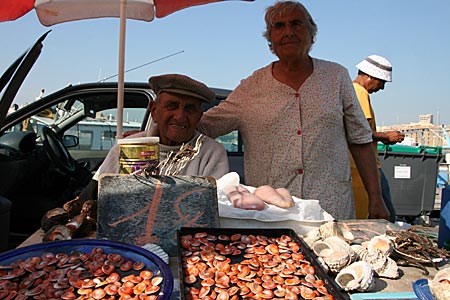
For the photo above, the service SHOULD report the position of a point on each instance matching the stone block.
(139, 211)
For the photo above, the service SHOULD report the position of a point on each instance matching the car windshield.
(82, 116)
(53, 116)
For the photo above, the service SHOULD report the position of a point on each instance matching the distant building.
(422, 133)
(426, 119)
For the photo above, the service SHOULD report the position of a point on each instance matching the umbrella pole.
(121, 72)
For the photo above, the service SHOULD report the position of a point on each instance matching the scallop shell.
(157, 250)
(381, 243)
(356, 277)
(440, 285)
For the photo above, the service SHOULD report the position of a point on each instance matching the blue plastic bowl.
(422, 290)
(152, 262)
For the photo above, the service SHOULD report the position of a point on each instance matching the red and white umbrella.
(52, 12)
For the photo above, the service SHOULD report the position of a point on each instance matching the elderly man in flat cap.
(373, 73)
(176, 112)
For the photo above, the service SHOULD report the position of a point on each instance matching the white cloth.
(303, 210)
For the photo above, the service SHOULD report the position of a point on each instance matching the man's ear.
(152, 107)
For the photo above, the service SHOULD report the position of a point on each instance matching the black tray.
(320, 273)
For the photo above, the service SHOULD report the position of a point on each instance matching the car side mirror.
(70, 140)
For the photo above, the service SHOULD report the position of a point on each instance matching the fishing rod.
(143, 65)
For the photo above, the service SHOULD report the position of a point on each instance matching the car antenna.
(143, 65)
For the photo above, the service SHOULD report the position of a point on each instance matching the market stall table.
(362, 229)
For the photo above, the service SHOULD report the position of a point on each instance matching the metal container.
(138, 153)
(309, 257)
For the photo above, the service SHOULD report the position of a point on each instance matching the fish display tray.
(319, 272)
(134, 253)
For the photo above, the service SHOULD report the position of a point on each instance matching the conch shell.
(335, 252)
(440, 285)
(381, 243)
(377, 256)
(356, 277)
(335, 228)
(382, 265)
(361, 251)
(326, 230)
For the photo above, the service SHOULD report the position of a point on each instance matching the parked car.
(50, 148)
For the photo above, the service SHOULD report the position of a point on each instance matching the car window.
(231, 142)
(91, 117)
(35, 123)
(99, 132)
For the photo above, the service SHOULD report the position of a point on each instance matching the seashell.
(55, 216)
(440, 284)
(390, 269)
(338, 244)
(322, 249)
(335, 228)
(376, 259)
(334, 253)
(356, 277)
(442, 275)
(337, 261)
(157, 250)
(311, 236)
(57, 233)
(381, 243)
(382, 265)
(323, 264)
(360, 251)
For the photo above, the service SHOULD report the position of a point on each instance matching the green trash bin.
(412, 174)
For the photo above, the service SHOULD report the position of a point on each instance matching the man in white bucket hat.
(374, 72)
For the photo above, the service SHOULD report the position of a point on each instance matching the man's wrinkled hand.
(130, 132)
(377, 208)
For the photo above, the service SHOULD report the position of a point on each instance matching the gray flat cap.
(181, 84)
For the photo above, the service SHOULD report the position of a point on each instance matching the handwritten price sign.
(139, 211)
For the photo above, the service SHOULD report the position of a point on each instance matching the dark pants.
(386, 194)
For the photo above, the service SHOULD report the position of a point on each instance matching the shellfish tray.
(250, 263)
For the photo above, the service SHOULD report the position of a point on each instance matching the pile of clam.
(354, 265)
(94, 275)
(240, 266)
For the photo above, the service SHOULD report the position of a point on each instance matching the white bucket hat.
(376, 66)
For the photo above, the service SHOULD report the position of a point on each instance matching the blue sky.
(222, 43)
